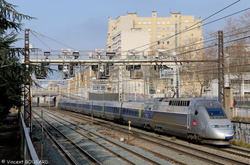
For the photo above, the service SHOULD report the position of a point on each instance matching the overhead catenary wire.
(198, 42)
(185, 30)
(54, 40)
(164, 38)
(40, 39)
(215, 40)
(203, 20)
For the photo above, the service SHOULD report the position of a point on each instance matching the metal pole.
(129, 128)
(27, 92)
(220, 68)
(42, 136)
(92, 117)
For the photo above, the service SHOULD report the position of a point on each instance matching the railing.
(27, 149)
(241, 112)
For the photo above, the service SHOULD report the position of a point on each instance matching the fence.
(27, 149)
(241, 112)
(242, 132)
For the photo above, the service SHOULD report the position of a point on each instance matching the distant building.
(150, 34)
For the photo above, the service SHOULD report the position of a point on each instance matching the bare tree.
(237, 41)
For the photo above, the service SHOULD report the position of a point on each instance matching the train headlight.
(215, 126)
(229, 126)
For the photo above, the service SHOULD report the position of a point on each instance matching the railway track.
(119, 151)
(205, 154)
(66, 145)
(237, 151)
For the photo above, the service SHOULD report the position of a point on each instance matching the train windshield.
(215, 112)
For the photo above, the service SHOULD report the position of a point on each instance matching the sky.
(83, 24)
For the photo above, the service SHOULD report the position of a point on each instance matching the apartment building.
(150, 34)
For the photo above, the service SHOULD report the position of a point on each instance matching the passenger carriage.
(98, 108)
(87, 106)
(112, 110)
(78, 106)
(132, 111)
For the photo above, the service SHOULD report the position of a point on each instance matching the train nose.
(223, 133)
(229, 134)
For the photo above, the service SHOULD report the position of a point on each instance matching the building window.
(158, 29)
(149, 23)
(168, 42)
(168, 22)
(158, 36)
(158, 23)
(186, 20)
(168, 29)
(246, 81)
(144, 22)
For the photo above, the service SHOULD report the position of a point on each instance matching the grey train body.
(198, 119)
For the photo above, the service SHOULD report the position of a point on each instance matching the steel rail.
(73, 143)
(137, 154)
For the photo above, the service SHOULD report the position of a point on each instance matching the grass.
(240, 143)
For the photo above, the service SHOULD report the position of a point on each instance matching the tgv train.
(199, 119)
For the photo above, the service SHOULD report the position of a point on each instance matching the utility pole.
(221, 85)
(27, 94)
(120, 84)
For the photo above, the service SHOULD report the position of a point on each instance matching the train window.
(215, 112)
(179, 103)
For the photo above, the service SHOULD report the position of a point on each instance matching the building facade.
(150, 34)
